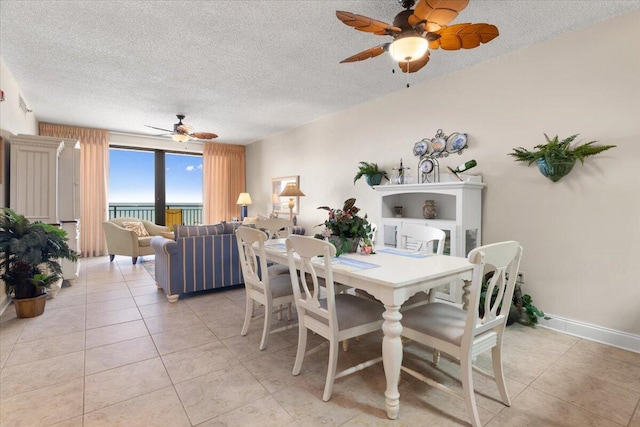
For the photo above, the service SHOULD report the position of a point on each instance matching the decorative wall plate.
(438, 145)
(456, 142)
(421, 147)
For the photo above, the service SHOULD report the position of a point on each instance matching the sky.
(131, 177)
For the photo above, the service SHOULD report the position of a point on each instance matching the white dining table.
(392, 276)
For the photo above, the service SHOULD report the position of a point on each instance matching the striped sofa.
(201, 257)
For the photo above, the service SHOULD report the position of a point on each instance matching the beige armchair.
(130, 241)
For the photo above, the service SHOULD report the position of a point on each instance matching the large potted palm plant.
(29, 255)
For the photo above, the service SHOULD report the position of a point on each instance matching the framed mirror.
(281, 204)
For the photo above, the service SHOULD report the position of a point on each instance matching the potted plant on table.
(29, 254)
(556, 158)
(371, 172)
(344, 228)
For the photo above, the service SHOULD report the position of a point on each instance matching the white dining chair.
(373, 233)
(464, 334)
(421, 238)
(274, 292)
(276, 228)
(337, 317)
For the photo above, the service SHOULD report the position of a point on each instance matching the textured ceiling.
(241, 69)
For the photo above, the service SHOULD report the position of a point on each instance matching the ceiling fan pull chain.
(408, 65)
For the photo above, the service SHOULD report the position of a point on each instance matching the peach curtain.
(223, 180)
(94, 170)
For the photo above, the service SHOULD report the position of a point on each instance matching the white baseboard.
(623, 340)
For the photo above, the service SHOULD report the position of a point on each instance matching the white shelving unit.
(459, 213)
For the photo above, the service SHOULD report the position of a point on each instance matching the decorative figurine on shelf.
(429, 210)
(398, 175)
(462, 168)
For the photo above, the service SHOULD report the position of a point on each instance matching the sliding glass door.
(131, 184)
(183, 189)
(158, 186)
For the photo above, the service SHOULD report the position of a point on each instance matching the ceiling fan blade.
(369, 53)
(414, 66)
(464, 36)
(436, 13)
(183, 128)
(153, 127)
(366, 24)
(203, 135)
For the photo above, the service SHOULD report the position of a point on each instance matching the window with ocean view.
(133, 187)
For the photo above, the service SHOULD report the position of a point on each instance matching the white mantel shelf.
(449, 183)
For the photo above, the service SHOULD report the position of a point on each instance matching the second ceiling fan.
(417, 30)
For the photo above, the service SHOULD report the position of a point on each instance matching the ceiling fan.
(183, 132)
(415, 31)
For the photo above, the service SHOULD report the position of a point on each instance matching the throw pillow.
(168, 235)
(137, 227)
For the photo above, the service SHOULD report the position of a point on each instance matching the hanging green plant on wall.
(556, 158)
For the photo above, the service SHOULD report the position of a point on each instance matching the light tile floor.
(111, 351)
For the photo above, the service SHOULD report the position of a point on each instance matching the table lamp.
(244, 199)
(291, 191)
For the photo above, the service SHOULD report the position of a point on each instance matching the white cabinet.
(45, 185)
(34, 177)
(459, 212)
(69, 181)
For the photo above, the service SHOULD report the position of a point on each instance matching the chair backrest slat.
(373, 233)
(496, 266)
(276, 228)
(254, 265)
(308, 291)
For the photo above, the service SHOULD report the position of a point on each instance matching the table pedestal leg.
(392, 358)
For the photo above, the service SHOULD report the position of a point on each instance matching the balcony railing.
(191, 212)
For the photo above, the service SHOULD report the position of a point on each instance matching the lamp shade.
(180, 137)
(244, 199)
(291, 190)
(408, 48)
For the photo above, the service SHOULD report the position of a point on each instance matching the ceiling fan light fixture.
(180, 137)
(407, 49)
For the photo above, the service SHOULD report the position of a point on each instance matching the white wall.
(12, 122)
(151, 142)
(12, 119)
(581, 236)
